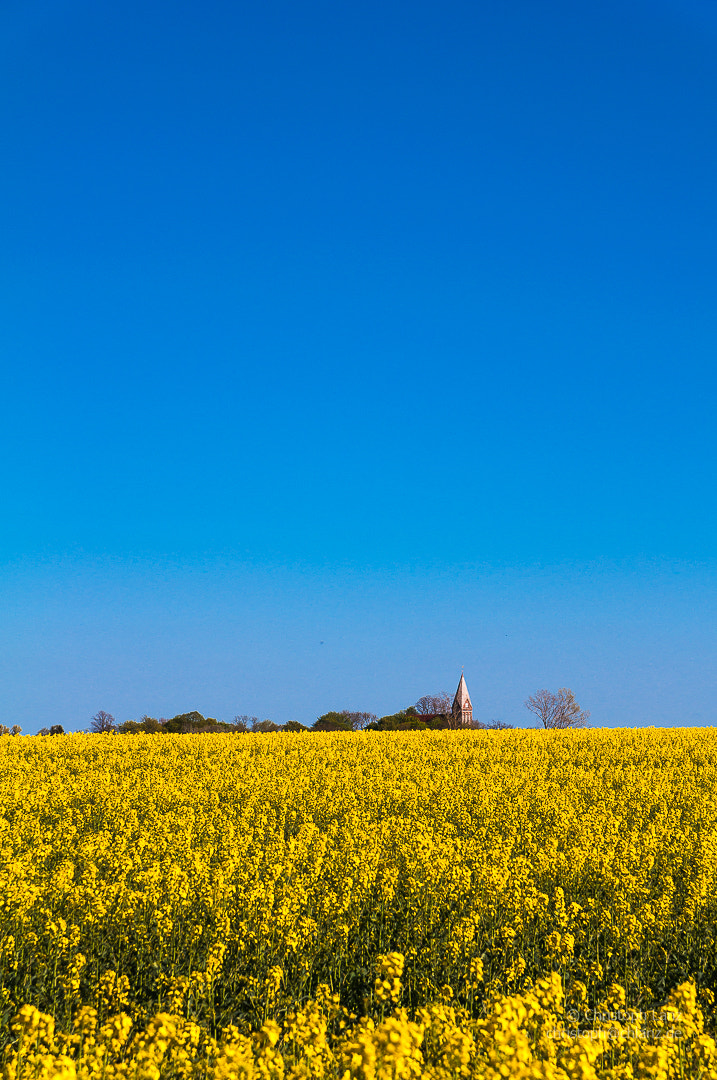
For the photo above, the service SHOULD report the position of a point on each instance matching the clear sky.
(344, 344)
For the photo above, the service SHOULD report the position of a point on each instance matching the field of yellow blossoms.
(417, 904)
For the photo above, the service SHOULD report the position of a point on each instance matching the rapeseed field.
(418, 904)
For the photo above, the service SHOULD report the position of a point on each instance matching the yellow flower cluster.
(418, 904)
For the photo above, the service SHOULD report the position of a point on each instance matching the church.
(462, 710)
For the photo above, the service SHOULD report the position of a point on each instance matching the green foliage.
(295, 726)
(344, 720)
(333, 721)
(408, 720)
(265, 727)
(185, 722)
(147, 725)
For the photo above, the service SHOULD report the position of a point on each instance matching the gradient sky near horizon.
(344, 345)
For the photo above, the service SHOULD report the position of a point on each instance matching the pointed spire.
(462, 707)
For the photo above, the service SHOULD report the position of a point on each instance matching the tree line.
(432, 712)
(554, 709)
(429, 713)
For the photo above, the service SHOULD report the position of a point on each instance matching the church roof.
(462, 698)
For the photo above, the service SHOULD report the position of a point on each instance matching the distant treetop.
(557, 710)
(102, 722)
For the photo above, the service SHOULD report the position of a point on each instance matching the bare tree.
(359, 720)
(242, 723)
(434, 705)
(557, 710)
(102, 722)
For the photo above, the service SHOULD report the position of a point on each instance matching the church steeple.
(462, 709)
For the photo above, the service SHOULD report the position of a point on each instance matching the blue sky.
(344, 345)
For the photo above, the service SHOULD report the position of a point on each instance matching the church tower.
(462, 709)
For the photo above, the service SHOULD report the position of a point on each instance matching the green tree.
(333, 721)
(147, 725)
(265, 726)
(344, 720)
(183, 723)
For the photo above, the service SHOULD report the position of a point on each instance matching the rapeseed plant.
(438, 904)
